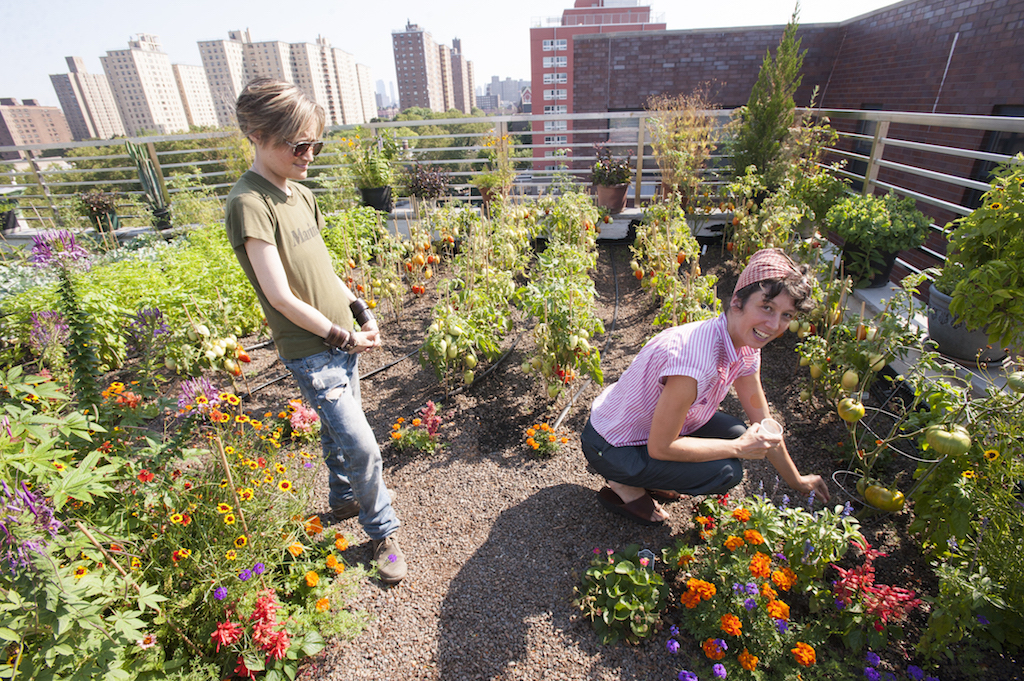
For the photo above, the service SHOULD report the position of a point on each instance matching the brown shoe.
(350, 509)
(389, 559)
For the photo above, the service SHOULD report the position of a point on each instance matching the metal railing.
(938, 159)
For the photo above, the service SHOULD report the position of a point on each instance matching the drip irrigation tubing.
(607, 342)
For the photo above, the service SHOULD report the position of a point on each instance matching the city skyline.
(494, 39)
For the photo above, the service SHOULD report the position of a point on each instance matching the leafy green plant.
(985, 260)
(610, 171)
(683, 136)
(876, 226)
(622, 595)
(543, 441)
(425, 182)
(372, 159)
(420, 433)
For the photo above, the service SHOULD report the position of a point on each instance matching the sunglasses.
(300, 148)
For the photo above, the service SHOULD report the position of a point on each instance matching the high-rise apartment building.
(326, 74)
(144, 87)
(444, 63)
(223, 62)
(551, 60)
(194, 91)
(418, 68)
(366, 95)
(87, 101)
(29, 123)
(462, 79)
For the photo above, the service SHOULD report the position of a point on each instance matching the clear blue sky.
(495, 36)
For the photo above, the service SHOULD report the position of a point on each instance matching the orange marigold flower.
(753, 537)
(711, 649)
(312, 579)
(314, 526)
(768, 592)
(416, 423)
(741, 514)
(564, 440)
(778, 610)
(552, 438)
(747, 661)
(395, 435)
(731, 624)
(691, 599)
(401, 419)
(396, 426)
(804, 654)
(784, 578)
(530, 432)
(706, 590)
(733, 543)
(332, 562)
(530, 441)
(323, 604)
(296, 549)
(760, 565)
(684, 560)
(340, 542)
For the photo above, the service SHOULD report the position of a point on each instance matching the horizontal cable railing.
(940, 160)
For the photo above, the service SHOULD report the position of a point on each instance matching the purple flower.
(220, 593)
(57, 248)
(785, 500)
(871, 673)
(259, 569)
(721, 644)
(872, 659)
(750, 604)
(847, 509)
(750, 589)
(674, 630)
(719, 670)
(982, 619)
(24, 517)
(782, 626)
(48, 330)
(889, 676)
(193, 388)
(737, 587)
(244, 575)
(686, 675)
(915, 672)
(840, 604)
(810, 500)
(672, 645)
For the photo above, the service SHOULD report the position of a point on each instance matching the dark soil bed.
(496, 539)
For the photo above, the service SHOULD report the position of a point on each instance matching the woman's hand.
(755, 443)
(813, 483)
(366, 339)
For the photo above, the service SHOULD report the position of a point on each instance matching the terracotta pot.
(953, 338)
(612, 197)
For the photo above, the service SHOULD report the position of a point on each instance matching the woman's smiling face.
(760, 320)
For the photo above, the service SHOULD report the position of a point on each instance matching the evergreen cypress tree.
(768, 115)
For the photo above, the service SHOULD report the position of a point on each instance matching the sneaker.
(349, 509)
(389, 559)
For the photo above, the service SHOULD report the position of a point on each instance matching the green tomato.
(1015, 381)
(948, 443)
(850, 410)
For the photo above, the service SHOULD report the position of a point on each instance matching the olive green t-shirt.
(256, 209)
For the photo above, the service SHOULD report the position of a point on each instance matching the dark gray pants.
(634, 467)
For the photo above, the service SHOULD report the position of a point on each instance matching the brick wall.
(894, 59)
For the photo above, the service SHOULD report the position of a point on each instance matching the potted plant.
(372, 165)
(874, 230)
(425, 183)
(611, 178)
(100, 209)
(683, 136)
(8, 218)
(981, 287)
(496, 181)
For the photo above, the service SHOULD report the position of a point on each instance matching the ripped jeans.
(329, 381)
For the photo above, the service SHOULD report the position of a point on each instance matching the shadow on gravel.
(513, 598)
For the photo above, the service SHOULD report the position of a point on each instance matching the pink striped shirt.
(622, 414)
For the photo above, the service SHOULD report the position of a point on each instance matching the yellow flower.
(995, 205)
(285, 486)
(312, 579)
(233, 399)
(176, 518)
(59, 466)
(201, 399)
(223, 508)
(81, 571)
(241, 541)
(969, 474)
(229, 519)
(229, 450)
(231, 555)
(296, 549)
(991, 454)
(136, 563)
(223, 482)
(322, 605)
(246, 494)
(280, 468)
(257, 425)
(241, 418)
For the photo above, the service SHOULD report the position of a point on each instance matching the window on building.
(555, 62)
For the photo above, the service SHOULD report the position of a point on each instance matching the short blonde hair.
(277, 111)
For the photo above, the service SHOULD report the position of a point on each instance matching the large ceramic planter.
(8, 221)
(378, 198)
(612, 197)
(953, 338)
(853, 253)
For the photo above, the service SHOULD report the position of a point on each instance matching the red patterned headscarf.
(769, 263)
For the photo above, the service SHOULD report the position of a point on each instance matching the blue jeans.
(329, 381)
(634, 467)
